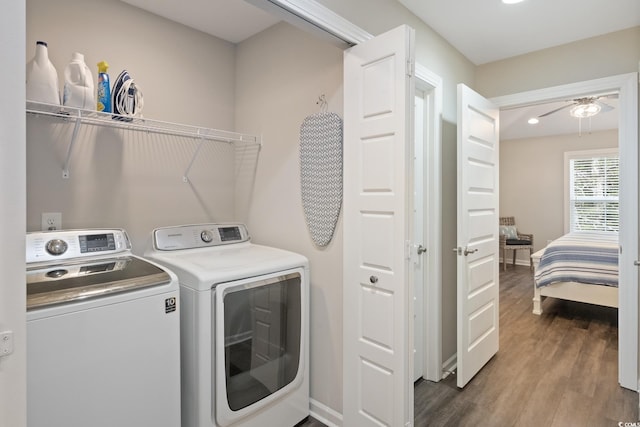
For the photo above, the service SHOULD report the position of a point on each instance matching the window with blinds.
(594, 191)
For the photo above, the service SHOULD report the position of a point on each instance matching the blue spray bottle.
(104, 90)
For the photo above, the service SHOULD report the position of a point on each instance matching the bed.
(580, 266)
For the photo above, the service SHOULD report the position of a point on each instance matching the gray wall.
(532, 182)
(124, 178)
(281, 73)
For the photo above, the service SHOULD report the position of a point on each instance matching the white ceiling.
(483, 30)
(231, 20)
(488, 30)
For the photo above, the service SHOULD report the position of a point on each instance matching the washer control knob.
(56, 246)
(206, 236)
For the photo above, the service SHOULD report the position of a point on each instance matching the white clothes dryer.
(244, 326)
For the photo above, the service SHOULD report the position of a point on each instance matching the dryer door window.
(262, 338)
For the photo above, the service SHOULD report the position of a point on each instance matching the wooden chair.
(523, 241)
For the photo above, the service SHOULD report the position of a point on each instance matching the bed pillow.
(509, 231)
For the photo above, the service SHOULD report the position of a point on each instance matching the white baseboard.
(332, 418)
(449, 366)
(324, 414)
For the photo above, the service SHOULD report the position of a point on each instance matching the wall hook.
(322, 101)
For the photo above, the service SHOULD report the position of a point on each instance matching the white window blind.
(594, 192)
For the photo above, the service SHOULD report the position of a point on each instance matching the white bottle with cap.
(78, 84)
(42, 77)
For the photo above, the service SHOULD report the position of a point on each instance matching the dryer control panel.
(198, 236)
(55, 245)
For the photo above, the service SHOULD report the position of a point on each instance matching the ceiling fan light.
(533, 121)
(582, 111)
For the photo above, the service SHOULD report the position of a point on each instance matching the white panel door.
(378, 296)
(477, 266)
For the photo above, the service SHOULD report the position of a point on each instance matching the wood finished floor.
(555, 370)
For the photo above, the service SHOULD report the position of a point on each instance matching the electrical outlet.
(51, 221)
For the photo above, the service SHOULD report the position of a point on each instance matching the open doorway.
(428, 229)
(625, 86)
(532, 167)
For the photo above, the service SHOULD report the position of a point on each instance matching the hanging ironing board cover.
(321, 174)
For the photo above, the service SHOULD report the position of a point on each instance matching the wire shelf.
(137, 123)
(79, 116)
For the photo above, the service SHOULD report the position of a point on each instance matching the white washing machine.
(244, 326)
(103, 333)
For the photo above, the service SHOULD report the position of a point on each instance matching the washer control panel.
(56, 245)
(198, 236)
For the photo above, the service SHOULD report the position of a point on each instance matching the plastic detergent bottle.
(42, 77)
(104, 90)
(78, 84)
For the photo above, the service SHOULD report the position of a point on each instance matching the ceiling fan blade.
(604, 107)
(609, 96)
(556, 110)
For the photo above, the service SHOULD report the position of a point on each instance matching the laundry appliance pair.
(208, 329)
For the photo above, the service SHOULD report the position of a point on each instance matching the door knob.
(636, 262)
(421, 249)
(465, 251)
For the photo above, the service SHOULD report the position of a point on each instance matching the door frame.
(13, 211)
(431, 84)
(627, 87)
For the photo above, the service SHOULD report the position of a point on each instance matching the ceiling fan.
(586, 106)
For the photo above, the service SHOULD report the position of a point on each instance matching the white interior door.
(378, 296)
(477, 251)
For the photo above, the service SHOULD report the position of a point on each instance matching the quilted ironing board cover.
(321, 174)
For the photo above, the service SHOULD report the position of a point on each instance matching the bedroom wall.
(532, 182)
(124, 178)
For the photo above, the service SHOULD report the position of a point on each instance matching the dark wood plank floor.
(558, 369)
(555, 370)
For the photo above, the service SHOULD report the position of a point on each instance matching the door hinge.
(411, 64)
(408, 252)
(6, 343)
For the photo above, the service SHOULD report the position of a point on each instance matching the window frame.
(576, 155)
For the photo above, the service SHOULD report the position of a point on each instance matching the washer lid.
(90, 278)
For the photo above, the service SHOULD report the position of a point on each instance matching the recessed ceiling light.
(533, 121)
(511, 1)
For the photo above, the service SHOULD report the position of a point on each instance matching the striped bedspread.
(583, 257)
